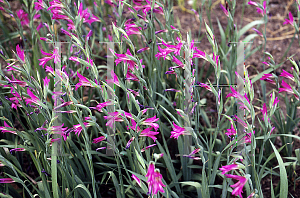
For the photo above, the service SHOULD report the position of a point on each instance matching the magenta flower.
(287, 75)
(264, 110)
(287, 88)
(83, 81)
(39, 5)
(17, 149)
(129, 143)
(130, 76)
(132, 29)
(239, 185)
(247, 138)
(228, 168)
(231, 131)
(147, 147)
(78, 128)
(23, 16)
(102, 105)
(138, 181)
(112, 118)
(262, 12)
(163, 52)
(290, 20)
(46, 81)
(177, 131)
(175, 48)
(148, 133)
(150, 122)
(6, 180)
(224, 10)
(32, 99)
(258, 32)
(64, 132)
(55, 55)
(267, 78)
(252, 3)
(99, 139)
(235, 94)
(5, 130)
(20, 53)
(155, 184)
(199, 54)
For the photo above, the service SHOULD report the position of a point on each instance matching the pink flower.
(99, 139)
(252, 3)
(235, 94)
(23, 16)
(267, 77)
(177, 131)
(224, 10)
(17, 149)
(5, 130)
(102, 105)
(150, 122)
(115, 79)
(138, 181)
(287, 75)
(64, 132)
(78, 128)
(258, 32)
(163, 52)
(20, 53)
(231, 131)
(287, 88)
(146, 148)
(199, 54)
(155, 184)
(32, 99)
(290, 20)
(247, 138)
(39, 5)
(262, 12)
(264, 110)
(228, 168)
(239, 185)
(83, 81)
(112, 118)
(147, 132)
(55, 55)
(6, 180)
(46, 81)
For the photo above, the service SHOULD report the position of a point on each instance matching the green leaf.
(283, 176)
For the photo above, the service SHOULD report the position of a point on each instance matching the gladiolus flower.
(231, 131)
(239, 185)
(262, 12)
(20, 53)
(150, 122)
(102, 105)
(287, 75)
(146, 148)
(228, 168)
(78, 128)
(224, 10)
(5, 130)
(154, 180)
(252, 3)
(177, 131)
(55, 55)
(138, 181)
(23, 16)
(264, 110)
(6, 180)
(99, 139)
(290, 20)
(247, 138)
(83, 81)
(258, 32)
(17, 149)
(32, 99)
(287, 88)
(147, 132)
(39, 5)
(267, 77)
